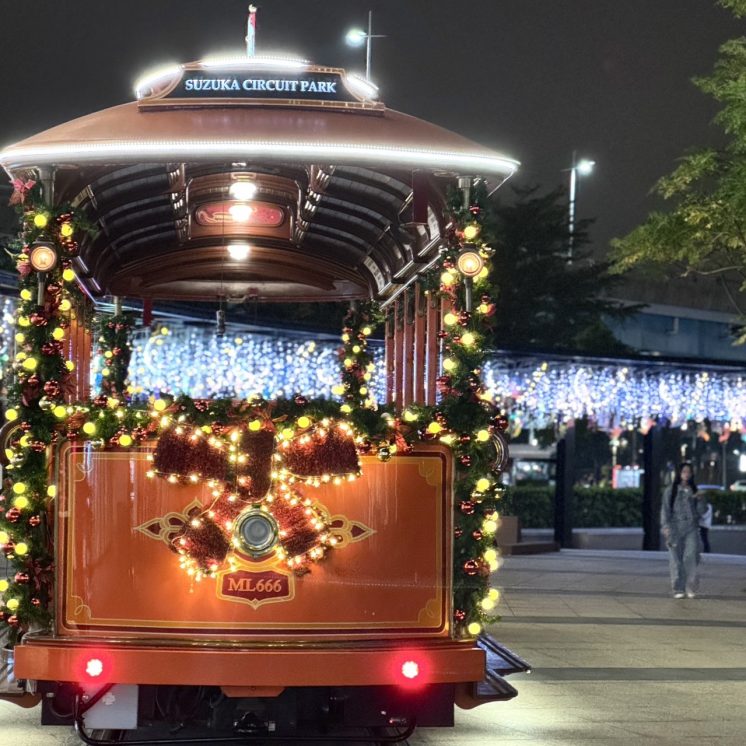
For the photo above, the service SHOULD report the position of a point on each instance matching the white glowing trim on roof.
(163, 149)
(146, 81)
(274, 61)
(362, 87)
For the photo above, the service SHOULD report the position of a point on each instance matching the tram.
(238, 569)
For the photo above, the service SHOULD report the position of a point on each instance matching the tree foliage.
(544, 301)
(705, 230)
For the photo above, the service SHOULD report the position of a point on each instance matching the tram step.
(501, 660)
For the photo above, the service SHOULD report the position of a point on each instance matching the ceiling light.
(239, 251)
(240, 212)
(243, 190)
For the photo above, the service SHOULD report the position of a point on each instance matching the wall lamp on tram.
(43, 258)
(470, 264)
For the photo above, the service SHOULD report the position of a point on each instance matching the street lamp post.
(356, 37)
(581, 167)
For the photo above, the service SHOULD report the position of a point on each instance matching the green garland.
(114, 351)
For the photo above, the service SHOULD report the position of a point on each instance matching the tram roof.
(346, 194)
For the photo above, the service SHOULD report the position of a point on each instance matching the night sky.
(534, 79)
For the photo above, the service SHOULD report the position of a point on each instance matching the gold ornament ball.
(11, 415)
(66, 230)
(304, 422)
(434, 428)
(26, 294)
(255, 426)
(483, 484)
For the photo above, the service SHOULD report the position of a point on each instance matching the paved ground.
(616, 660)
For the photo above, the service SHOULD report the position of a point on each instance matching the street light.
(356, 37)
(583, 167)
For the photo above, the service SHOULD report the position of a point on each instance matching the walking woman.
(681, 510)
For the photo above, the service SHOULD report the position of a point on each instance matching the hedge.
(603, 507)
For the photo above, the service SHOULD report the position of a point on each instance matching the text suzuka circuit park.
(328, 423)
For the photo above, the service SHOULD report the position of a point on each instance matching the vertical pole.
(651, 490)
(398, 353)
(251, 32)
(389, 356)
(418, 359)
(431, 349)
(564, 487)
(408, 370)
(367, 45)
(571, 207)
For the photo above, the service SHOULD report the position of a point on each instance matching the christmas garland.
(306, 442)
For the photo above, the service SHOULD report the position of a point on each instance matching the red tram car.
(252, 569)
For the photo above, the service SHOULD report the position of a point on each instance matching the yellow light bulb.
(58, 333)
(4, 537)
(356, 349)
(112, 402)
(89, 428)
(366, 330)
(434, 428)
(4, 584)
(488, 604)
(11, 415)
(471, 231)
(30, 363)
(19, 488)
(21, 548)
(483, 436)
(346, 408)
(348, 362)
(489, 527)
(105, 372)
(345, 337)
(60, 412)
(484, 273)
(23, 321)
(483, 484)
(338, 390)
(474, 628)
(255, 425)
(409, 415)
(65, 305)
(447, 278)
(494, 594)
(40, 220)
(108, 354)
(159, 405)
(12, 603)
(70, 365)
(483, 308)
(449, 364)
(125, 440)
(26, 294)
(66, 230)
(468, 339)
(450, 319)
(363, 390)
(490, 555)
(21, 502)
(52, 490)
(304, 422)
(68, 275)
(20, 338)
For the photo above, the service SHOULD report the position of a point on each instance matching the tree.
(705, 231)
(543, 301)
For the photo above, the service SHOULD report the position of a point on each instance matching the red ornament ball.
(467, 507)
(300, 401)
(471, 567)
(35, 602)
(459, 615)
(476, 535)
(52, 388)
(458, 532)
(465, 459)
(501, 422)
(21, 577)
(34, 521)
(13, 620)
(38, 319)
(12, 515)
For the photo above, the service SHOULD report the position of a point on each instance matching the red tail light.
(410, 670)
(94, 668)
